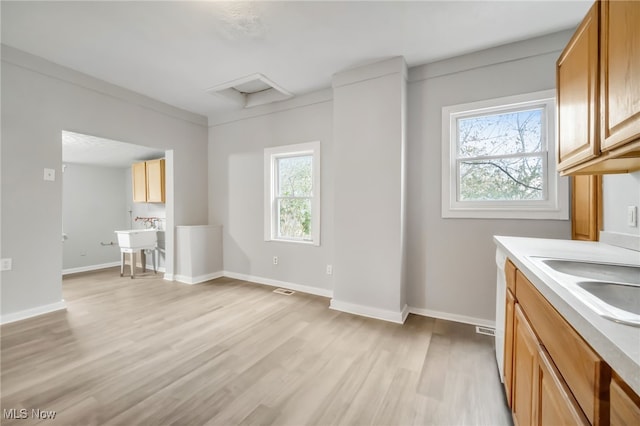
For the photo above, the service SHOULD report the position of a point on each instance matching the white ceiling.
(86, 149)
(174, 51)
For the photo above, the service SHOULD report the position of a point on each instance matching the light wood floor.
(227, 352)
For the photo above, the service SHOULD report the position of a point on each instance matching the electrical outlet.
(275, 260)
(632, 216)
(6, 264)
(50, 174)
(329, 270)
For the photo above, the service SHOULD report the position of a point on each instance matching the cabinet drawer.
(586, 374)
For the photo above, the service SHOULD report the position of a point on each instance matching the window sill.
(301, 242)
(501, 213)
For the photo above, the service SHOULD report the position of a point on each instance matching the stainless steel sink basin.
(621, 296)
(610, 290)
(596, 271)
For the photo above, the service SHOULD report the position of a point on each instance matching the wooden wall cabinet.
(586, 205)
(577, 95)
(148, 179)
(598, 92)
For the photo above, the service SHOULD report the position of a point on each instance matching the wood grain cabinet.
(551, 375)
(577, 95)
(598, 92)
(625, 404)
(148, 179)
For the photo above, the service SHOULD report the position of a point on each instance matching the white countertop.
(618, 344)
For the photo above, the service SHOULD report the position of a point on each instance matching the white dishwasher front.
(501, 294)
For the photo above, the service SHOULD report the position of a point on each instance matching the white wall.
(618, 193)
(450, 266)
(39, 100)
(369, 130)
(236, 155)
(93, 206)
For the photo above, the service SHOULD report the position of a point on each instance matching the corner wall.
(236, 191)
(451, 266)
(39, 100)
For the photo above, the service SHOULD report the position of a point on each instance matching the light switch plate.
(5, 264)
(632, 216)
(49, 174)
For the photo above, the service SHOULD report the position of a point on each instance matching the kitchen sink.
(621, 296)
(596, 271)
(610, 290)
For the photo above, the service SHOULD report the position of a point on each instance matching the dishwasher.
(501, 294)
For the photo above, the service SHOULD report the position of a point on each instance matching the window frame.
(555, 202)
(271, 155)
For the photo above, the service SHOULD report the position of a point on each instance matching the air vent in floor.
(284, 291)
(485, 330)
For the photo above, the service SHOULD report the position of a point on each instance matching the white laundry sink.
(137, 238)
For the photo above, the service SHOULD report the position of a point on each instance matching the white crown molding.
(313, 98)
(551, 44)
(42, 66)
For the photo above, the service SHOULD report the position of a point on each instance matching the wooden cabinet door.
(586, 199)
(620, 72)
(508, 346)
(139, 182)
(155, 181)
(525, 371)
(625, 404)
(556, 404)
(577, 95)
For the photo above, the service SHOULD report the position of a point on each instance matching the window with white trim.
(292, 193)
(498, 159)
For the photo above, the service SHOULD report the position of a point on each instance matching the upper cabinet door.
(155, 181)
(620, 72)
(139, 182)
(577, 94)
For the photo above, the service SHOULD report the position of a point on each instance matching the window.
(292, 193)
(498, 159)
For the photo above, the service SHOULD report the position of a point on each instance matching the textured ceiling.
(174, 51)
(85, 149)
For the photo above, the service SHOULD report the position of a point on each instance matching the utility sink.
(137, 238)
(596, 271)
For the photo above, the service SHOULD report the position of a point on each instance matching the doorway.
(97, 200)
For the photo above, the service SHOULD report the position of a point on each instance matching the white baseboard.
(89, 268)
(452, 317)
(168, 277)
(185, 279)
(367, 311)
(33, 312)
(275, 283)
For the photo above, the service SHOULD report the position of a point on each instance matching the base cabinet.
(551, 375)
(525, 370)
(625, 404)
(556, 404)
